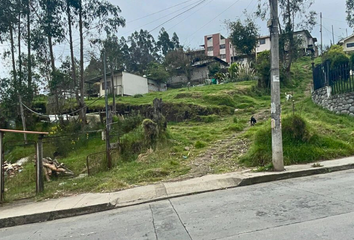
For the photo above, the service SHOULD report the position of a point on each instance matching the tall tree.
(295, 14)
(164, 43)
(142, 51)
(75, 5)
(350, 12)
(103, 18)
(244, 35)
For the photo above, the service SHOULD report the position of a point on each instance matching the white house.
(125, 84)
(347, 43)
(263, 44)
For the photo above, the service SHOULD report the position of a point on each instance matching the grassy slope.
(333, 136)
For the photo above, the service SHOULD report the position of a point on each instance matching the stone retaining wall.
(339, 104)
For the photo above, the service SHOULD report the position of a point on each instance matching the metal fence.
(340, 78)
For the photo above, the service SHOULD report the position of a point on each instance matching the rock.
(82, 175)
(186, 148)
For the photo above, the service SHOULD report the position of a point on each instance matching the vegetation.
(310, 134)
(244, 36)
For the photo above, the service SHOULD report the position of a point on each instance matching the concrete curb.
(294, 174)
(66, 213)
(49, 216)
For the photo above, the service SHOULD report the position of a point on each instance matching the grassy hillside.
(214, 138)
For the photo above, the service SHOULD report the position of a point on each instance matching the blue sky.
(204, 19)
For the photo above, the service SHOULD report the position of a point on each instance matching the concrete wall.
(198, 77)
(156, 87)
(339, 104)
(134, 84)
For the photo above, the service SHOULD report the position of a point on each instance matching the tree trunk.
(13, 54)
(290, 36)
(82, 102)
(29, 67)
(73, 65)
(19, 51)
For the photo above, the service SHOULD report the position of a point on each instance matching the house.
(347, 43)
(263, 44)
(216, 45)
(125, 84)
(308, 43)
(199, 72)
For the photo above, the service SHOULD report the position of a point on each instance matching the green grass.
(323, 135)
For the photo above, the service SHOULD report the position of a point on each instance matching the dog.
(253, 121)
(288, 96)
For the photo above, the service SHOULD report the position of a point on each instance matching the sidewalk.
(15, 214)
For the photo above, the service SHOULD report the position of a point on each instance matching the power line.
(214, 18)
(163, 17)
(199, 3)
(189, 15)
(44, 115)
(159, 11)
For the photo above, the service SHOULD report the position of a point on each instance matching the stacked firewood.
(54, 168)
(11, 169)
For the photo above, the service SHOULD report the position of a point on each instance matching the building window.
(222, 46)
(210, 49)
(262, 41)
(350, 45)
(223, 56)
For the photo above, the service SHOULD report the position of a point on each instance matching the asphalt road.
(316, 207)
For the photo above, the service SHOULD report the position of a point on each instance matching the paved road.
(317, 207)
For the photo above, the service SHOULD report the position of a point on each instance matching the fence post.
(39, 166)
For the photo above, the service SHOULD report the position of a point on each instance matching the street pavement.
(314, 207)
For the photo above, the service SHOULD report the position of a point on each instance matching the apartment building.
(216, 45)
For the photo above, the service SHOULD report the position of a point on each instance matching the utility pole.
(321, 34)
(333, 35)
(108, 146)
(23, 119)
(277, 141)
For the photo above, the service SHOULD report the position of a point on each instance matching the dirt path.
(223, 154)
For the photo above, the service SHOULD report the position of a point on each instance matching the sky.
(192, 22)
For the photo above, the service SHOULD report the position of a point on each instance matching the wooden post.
(39, 166)
(2, 184)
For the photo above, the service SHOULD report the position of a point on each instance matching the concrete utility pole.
(108, 146)
(333, 35)
(277, 141)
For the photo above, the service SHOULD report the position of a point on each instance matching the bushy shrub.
(295, 129)
(129, 123)
(138, 96)
(263, 69)
(339, 60)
